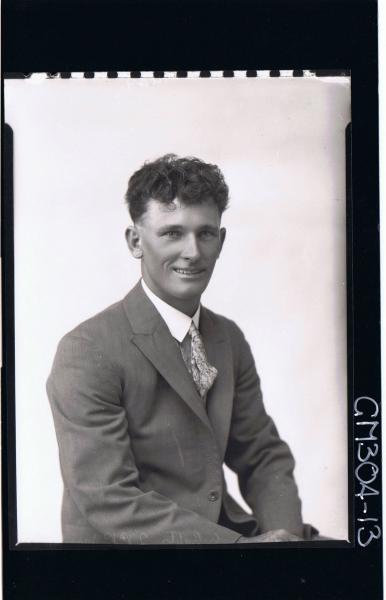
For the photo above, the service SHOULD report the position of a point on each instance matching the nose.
(190, 250)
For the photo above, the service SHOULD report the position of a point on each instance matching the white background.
(281, 276)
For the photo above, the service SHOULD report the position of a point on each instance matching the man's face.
(180, 245)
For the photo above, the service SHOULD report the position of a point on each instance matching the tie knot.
(193, 331)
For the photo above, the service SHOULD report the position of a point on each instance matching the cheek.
(212, 253)
(160, 259)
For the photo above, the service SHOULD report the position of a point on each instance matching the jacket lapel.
(220, 396)
(152, 336)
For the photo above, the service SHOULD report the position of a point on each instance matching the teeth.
(186, 272)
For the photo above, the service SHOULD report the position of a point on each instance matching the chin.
(190, 291)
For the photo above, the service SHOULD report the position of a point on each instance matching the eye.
(172, 234)
(207, 234)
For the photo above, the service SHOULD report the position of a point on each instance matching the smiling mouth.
(189, 272)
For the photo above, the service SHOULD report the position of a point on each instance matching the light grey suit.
(141, 456)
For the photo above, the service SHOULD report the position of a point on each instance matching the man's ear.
(133, 240)
(223, 232)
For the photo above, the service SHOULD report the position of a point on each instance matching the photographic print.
(180, 289)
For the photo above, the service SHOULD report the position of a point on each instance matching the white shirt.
(177, 322)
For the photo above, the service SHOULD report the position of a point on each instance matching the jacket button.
(213, 496)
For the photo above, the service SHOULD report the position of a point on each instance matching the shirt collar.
(177, 322)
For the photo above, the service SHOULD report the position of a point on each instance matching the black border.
(311, 34)
(8, 429)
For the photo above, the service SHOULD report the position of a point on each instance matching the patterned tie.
(202, 372)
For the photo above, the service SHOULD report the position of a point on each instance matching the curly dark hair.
(189, 179)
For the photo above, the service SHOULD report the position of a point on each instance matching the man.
(152, 396)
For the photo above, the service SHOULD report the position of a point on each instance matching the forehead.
(178, 213)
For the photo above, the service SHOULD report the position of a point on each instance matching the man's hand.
(277, 535)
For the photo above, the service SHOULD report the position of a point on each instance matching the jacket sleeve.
(97, 462)
(263, 462)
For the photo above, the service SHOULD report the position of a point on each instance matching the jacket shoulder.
(226, 325)
(106, 329)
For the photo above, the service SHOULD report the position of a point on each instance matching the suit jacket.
(141, 456)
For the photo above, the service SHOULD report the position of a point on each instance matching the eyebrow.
(166, 228)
